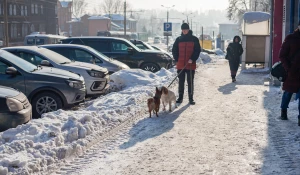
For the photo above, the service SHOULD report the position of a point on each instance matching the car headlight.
(14, 105)
(96, 73)
(75, 84)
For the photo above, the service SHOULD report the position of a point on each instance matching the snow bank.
(36, 146)
(219, 52)
(204, 58)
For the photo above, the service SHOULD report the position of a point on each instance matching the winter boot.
(180, 98)
(283, 114)
(192, 102)
(233, 78)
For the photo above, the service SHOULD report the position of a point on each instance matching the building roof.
(97, 17)
(65, 4)
(118, 17)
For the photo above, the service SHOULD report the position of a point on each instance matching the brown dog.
(154, 103)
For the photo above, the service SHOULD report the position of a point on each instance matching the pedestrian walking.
(234, 52)
(186, 51)
(290, 58)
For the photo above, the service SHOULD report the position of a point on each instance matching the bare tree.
(114, 6)
(237, 8)
(79, 8)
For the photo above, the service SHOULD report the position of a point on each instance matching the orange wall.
(96, 25)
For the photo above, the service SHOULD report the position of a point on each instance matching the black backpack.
(278, 70)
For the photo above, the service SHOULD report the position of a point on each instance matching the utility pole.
(6, 43)
(125, 19)
(168, 22)
(202, 39)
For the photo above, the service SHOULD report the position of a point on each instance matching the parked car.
(47, 89)
(1, 43)
(141, 45)
(87, 54)
(96, 78)
(15, 108)
(40, 39)
(167, 53)
(156, 40)
(124, 51)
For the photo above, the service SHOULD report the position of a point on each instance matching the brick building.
(27, 16)
(64, 14)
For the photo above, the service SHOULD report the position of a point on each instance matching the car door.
(14, 81)
(119, 51)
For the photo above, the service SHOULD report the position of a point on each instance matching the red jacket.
(290, 58)
(186, 47)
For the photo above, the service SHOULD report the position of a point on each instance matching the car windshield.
(55, 57)
(133, 46)
(148, 46)
(19, 62)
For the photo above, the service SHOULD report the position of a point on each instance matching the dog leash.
(178, 74)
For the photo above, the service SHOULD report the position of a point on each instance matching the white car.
(156, 40)
(96, 77)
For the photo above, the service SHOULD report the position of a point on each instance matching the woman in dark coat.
(290, 58)
(234, 52)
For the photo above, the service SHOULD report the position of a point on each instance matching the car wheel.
(45, 102)
(150, 67)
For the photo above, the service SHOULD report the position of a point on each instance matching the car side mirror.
(11, 71)
(130, 50)
(45, 63)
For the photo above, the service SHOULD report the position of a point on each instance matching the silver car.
(87, 54)
(96, 78)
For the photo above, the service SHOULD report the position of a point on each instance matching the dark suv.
(48, 89)
(124, 51)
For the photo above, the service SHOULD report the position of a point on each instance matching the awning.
(255, 17)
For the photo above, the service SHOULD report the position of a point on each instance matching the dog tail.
(150, 101)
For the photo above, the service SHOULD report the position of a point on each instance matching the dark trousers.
(189, 74)
(286, 98)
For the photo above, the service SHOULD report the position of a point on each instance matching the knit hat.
(185, 26)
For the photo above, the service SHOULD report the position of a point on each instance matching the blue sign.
(167, 27)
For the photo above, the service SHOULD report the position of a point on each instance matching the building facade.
(28, 16)
(64, 14)
(228, 31)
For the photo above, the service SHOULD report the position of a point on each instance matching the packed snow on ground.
(206, 58)
(39, 144)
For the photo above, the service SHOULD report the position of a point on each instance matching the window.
(24, 30)
(31, 41)
(3, 67)
(119, 47)
(56, 9)
(13, 30)
(32, 8)
(101, 46)
(36, 9)
(22, 10)
(63, 51)
(80, 55)
(15, 9)
(10, 9)
(42, 9)
(33, 59)
(25, 7)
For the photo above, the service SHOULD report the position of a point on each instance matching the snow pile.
(219, 52)
(256, 70)
(36, 146)
(204, 58)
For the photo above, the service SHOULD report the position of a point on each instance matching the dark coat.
(234, 52)
(186, 47)
(290, 57)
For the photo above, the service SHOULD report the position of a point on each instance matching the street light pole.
(187, 16)
(168, 22)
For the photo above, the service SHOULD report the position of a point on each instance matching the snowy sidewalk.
(232, 129)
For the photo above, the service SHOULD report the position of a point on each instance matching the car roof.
(95, 37)
(22, 47)
(65, 45)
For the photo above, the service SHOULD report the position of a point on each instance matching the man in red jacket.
(186, 51)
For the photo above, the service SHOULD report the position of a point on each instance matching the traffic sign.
(167, 27)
